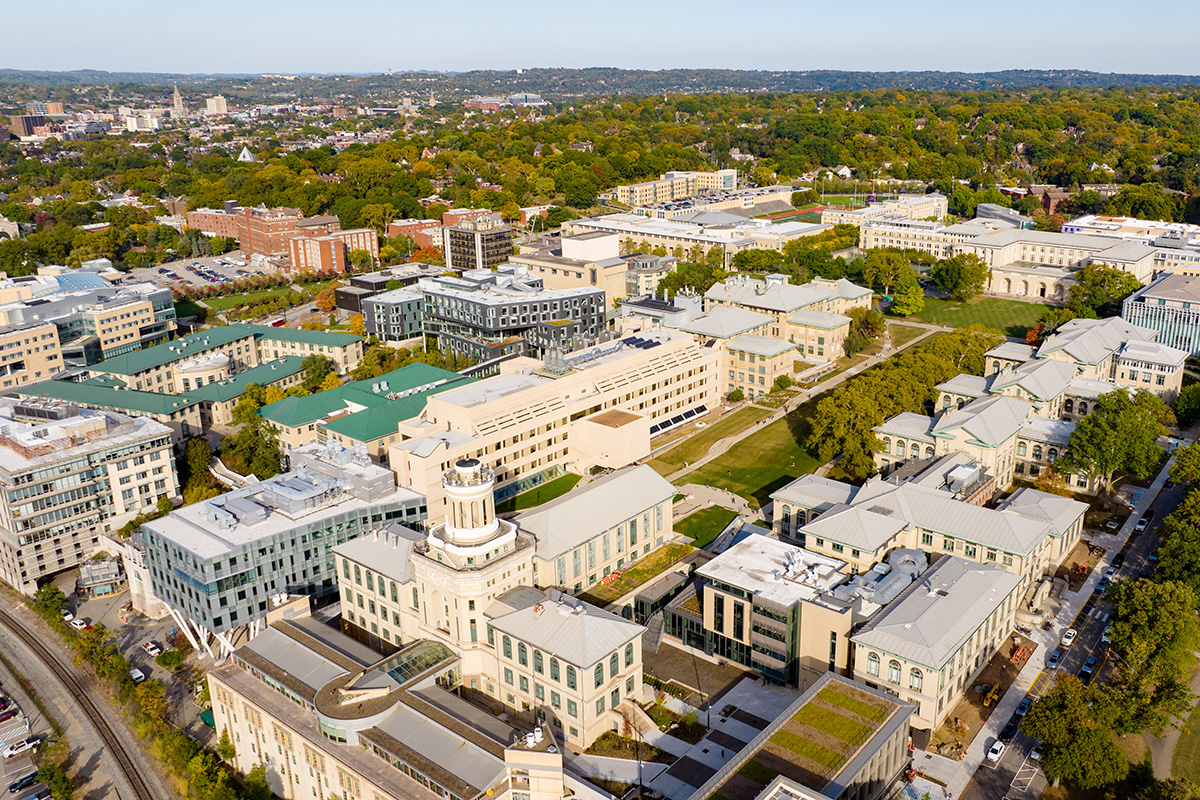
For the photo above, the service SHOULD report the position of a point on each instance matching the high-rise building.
(67, 475)
(482, 243)
(216, 106)
(23, 124)
(177, 104)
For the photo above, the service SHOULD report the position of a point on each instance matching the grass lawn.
(1186, 761)
(697, 446)
(615, 746)
(186, 308)
(903, 334)
(705, 525)
(763, 461)
(540, 494)
(236, 300)
(1011, 316)
(657, 562)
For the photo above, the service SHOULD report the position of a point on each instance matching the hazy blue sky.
(1154, 36)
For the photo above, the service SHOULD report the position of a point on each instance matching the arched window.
(522, 654)
(786, 517)
(946, 401)
(554, 669)
(894, 671)
(915, 679)
(873, 664)
(1052, 455)
(1037, 452)
(995, 366)
(570, 677)
(629, 654)
(507, 643)
(1082, 408)
(887, 444)
(599, 674)
(537, 661)
(900, 447)
(916, 450)
(1020, 448)
(929, 451)
(961, 403)
(1068, 405)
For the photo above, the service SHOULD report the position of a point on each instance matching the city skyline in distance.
(371, 36)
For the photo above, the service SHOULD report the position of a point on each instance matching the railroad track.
(116, 747)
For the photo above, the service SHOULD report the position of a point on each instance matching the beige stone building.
(909, 206)
(598, 407)
(754, 363)
(930, 643)
(675, 186)
(590, 260)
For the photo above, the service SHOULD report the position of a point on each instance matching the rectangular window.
(572, 708)
(508, 676)
(556, 700)
(600, 705)
(719, 612)
(524, 684)
(739, 618)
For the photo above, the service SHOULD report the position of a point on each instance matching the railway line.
(84, 701)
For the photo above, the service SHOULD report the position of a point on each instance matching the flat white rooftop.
(775, 570)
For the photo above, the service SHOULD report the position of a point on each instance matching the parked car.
(1068, 637)
(1109, 572)
(23, 783)
(1104, 636)
(20, 746)
(152, 650)
(1010, 730)
(1053, 659)
(1102, 586)
(1035, 752)
(1089, 669)
(1026, 704)
(136, 675)
(1141, 525)
(993, 755)
(79, 624)
(7, 715)
(67, 615)
(1118, 561)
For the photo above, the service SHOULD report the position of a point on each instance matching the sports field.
(1013, 317)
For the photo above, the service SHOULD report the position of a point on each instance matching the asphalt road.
(1016, 775)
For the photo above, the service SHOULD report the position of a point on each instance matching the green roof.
(235, 386)
(178, 349)
(107, 381)
(175, 350)
(327, 338)
(108, 397)
(292, 412)
(375, 423)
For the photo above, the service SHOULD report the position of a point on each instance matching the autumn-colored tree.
(357, 326)
(1034, 334)
(332, 381)
(325, 299)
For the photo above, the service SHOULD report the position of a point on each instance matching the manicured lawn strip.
(810, 750)
(1186, 761)
(238, 300)
(186, 308)
(754, 771)
(903, 334)
(697, 446)
(658, 561)
(540, 494)
(1012, 316)
(705, 525)
(837, 725)
(762, 462)
(864, 710)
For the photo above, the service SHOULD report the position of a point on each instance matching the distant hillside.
(598, 81)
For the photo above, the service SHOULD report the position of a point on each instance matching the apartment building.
(395, 316)
(931, 206)
(929, 645)
(216, 106)
(327, 249)
(1171, 307)
(482, 243)
(217, 354)
(216, 564)
(68, 475)
(29, 352)
(266, 232)
(487, 315)
(610, 399)
(676, 186)
(585, 260)
(469, 586)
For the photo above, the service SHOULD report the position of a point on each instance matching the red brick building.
(313, 249)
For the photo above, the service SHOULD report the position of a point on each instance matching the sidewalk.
(1072, 603)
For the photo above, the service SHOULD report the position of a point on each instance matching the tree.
(357, 326)
(219, 245)
(963, 276)
(315, 367)
(757, 260)
(332, 381)
(225, 747)
(49, 601)
(1121, 433)
(781, 383)
(361, 260)
(1186, 466)
(909, 300)
(325, 299)
(1098, 289)
(254, 449)
(151, 697)
(886, 268)
(255, 784)
(736, 396)
(1074, 721)
(1187, 404)
(1051, 481)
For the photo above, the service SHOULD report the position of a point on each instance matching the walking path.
(721, 447)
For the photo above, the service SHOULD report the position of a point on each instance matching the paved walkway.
(721, 447)
(700, 496)
(1162, 750)
(1068, 610)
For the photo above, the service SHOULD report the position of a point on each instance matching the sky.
(307, 36)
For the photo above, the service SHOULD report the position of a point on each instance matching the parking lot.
(132, 632)
(207, 271)
(25, 722)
